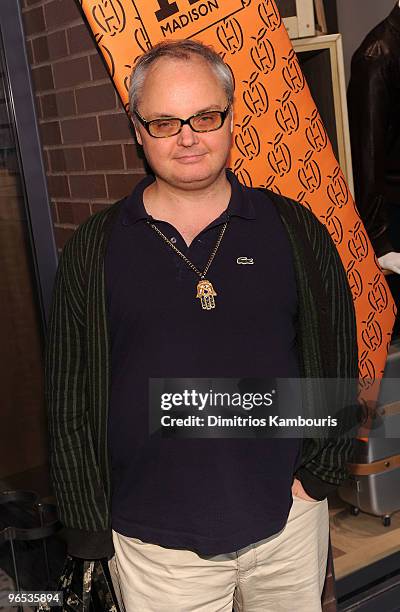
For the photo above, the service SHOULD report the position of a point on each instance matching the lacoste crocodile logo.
(245, 260)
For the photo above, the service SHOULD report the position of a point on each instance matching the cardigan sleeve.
(327, 339)
(327, 468)
(79, 494)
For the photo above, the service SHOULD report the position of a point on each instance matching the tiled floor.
(360, 540)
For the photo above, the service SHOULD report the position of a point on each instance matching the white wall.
(356, 18)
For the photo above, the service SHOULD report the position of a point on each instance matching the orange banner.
(280, 141)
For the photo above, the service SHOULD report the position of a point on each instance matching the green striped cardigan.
(78, 368)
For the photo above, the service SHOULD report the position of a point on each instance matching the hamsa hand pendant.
(206, 293)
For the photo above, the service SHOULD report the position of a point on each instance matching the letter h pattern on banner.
(280, 141)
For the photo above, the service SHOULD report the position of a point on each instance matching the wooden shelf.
(321, 59)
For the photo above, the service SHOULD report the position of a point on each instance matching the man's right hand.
(390, 261)
(298, 491)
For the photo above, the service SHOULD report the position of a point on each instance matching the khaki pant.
(285, 572)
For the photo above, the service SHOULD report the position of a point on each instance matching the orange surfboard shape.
(280, 141)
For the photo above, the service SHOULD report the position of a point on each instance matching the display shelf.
(321, 59)
(298, 17)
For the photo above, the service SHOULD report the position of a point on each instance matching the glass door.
(22, 443)
(27, 264)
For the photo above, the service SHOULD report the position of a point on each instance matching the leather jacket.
(374, 115)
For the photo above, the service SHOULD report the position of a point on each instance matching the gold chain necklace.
(205, 290)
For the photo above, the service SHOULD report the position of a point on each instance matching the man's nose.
(187, 137)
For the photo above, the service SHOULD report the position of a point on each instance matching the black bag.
(86, 586)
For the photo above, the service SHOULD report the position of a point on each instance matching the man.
(154, 288)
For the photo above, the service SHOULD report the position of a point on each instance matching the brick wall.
(88, 147)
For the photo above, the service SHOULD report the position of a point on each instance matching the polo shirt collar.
(133, 207)
(240, 204)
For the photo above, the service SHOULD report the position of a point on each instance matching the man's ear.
(136, 128)
(137, 133)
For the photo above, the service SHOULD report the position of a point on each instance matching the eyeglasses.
(207, 121)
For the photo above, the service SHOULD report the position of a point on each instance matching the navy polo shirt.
(212, 496)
